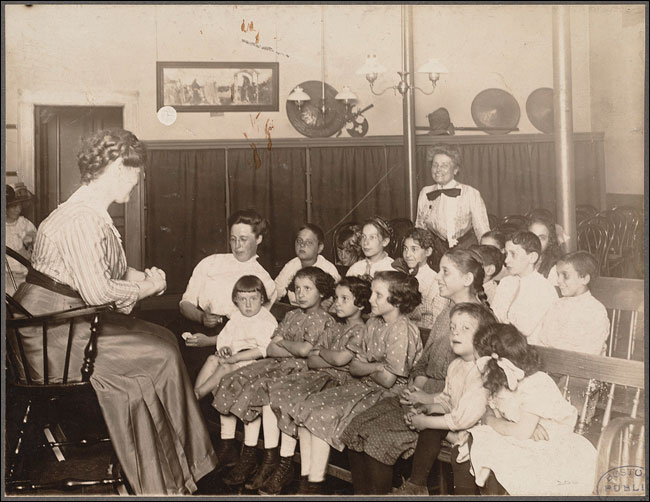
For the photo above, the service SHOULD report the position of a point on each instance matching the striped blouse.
(78, 245)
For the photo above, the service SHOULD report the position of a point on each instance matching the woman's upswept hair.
(322, 280)
(360, 289)
(450, 151)
(507, 342)
(482, 314)
(381, 225)
(402, 288)
(250, 217)
(249, 284)
(103, 147)
(469, 261)
(553, 251)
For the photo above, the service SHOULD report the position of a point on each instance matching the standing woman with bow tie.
(455, 213)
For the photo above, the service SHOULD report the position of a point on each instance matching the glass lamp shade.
(371, 66)
(433, 66)
(346, 95)
(298, 95)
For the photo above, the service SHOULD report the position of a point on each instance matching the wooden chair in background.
(401, 228)
(594, 236)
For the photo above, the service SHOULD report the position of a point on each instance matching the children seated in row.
(309, 243)
(383, 360)
(375, 237)
(329, 360)
(379, 436)
(524, 297)
(416, 250)
(244, 392)
(526, 444)
(243, 339)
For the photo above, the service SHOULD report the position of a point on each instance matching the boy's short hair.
(315, 229)
(583, 262)
(249, 284)
(422, 236)
(528, 241)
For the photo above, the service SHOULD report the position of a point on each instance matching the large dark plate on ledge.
(539, 108)
(495, 108)
(309, 119)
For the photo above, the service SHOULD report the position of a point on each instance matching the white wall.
(618, 90)
(95, 50)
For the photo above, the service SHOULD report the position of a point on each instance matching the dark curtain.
(514, 178)
(361, 181)
(185, 193)
(186, 207)
(273, 183)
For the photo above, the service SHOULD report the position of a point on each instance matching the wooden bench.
(619, 438)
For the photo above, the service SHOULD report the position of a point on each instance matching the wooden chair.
(594, 237)
(624, 301)
(40, 419)
(517, 220)
(401, 228)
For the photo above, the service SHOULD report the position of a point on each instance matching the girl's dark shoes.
(270, 462)
(227, 454)
(280, 479)
(311, 488)
(244, 469)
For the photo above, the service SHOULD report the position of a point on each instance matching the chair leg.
(16, 456)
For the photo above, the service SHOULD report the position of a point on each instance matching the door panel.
(59, 130)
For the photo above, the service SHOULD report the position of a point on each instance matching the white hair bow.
(513, 373)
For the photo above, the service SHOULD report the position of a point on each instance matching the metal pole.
(409, 106)
(563, 122)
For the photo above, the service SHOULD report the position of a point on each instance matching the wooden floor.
(83, 420)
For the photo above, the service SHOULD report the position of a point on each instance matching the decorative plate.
(495, 108)
(539, 108)
(309, 120)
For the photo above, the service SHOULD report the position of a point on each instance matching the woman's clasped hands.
(158, 277)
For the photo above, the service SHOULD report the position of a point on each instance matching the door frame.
(28, 99)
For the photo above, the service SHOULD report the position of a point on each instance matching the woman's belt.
(42, 280)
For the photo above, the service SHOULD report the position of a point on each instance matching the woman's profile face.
(126, 179)
(243, 241)
(443, 169)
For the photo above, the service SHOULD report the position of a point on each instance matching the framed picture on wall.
(218, 87)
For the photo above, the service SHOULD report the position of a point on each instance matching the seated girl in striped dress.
(244, 392)
(389, 349)
(330, 359)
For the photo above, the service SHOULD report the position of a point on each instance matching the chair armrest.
(60, 315)
(18, 257)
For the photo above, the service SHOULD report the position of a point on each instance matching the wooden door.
(58, 131)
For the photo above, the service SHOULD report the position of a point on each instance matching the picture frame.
(218, 86)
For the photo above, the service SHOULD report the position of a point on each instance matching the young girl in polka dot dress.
(390, 347)
(330, 359)
(243, 393)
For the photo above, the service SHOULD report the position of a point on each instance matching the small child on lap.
(243, 339)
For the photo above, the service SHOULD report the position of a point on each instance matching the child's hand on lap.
(225, 352)
(418, 422)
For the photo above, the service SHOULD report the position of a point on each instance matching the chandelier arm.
(372, 89)
(425, 92)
